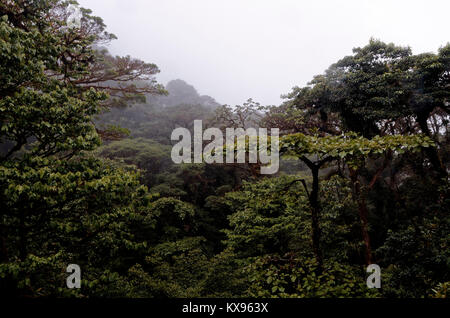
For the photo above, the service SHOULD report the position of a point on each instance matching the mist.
(234, 50)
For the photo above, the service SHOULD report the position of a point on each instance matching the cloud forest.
(88, 184)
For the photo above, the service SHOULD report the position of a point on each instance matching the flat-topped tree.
(316, 152)
(54, 199)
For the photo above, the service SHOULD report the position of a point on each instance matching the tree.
(354, 150)
(381, 89)
(268, 217)
(55, 198)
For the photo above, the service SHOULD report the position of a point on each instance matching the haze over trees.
(86, 175)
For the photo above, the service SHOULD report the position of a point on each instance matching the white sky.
(236, 49)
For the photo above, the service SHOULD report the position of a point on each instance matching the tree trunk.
(431, 152)
(362, 208)
(315, 210)
(363, 214)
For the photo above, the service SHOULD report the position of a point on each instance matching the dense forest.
(86, 175)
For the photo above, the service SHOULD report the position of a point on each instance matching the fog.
(238, 49)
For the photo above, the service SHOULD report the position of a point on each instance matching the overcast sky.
(236, 49)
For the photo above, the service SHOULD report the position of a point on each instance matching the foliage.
(293, 277)
(351, 147)
(372, 131)
(270, 216)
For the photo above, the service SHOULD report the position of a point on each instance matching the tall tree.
(317, 151)
(55, 199)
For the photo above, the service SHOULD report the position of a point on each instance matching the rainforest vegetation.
(86, 175)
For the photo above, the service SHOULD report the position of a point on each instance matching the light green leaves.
(351, 147)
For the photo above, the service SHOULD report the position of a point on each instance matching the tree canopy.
(86, 175)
